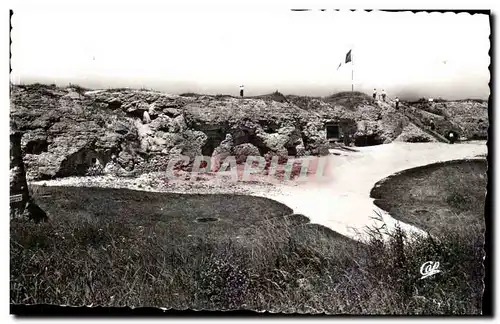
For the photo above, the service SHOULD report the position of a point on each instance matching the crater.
(207, 219)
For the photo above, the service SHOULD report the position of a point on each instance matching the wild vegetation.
(440, 197)
(121, 247)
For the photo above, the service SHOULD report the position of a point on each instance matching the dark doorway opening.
(257, 142)
(332, 132)
(367, 140)
(292, 151)
(37, 147)
(214, 137)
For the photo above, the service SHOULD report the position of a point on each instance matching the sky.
(406, 54)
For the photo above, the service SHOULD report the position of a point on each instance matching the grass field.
(128, 248)
(440, 197)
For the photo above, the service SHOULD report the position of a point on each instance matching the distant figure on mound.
(433, 125)
(146, 119)
(452, 137)
(241, 90)
(396, 100)
(383, 95)
(374, 94)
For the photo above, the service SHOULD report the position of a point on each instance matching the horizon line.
(179, 93)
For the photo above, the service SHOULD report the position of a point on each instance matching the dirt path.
(344, 204)
(341, 201)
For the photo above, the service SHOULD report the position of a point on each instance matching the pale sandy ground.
(340, 201)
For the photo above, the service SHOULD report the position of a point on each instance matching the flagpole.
(352, 72)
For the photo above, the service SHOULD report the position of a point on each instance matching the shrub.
(418, 139)
(189, 94)
(78, 88)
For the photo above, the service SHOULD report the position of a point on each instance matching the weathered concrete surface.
(72, 132)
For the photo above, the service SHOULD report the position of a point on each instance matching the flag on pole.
(348, 57)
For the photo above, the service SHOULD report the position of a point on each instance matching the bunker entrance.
(333, 132)
(215, 136)
(367, 140)
(37, 147)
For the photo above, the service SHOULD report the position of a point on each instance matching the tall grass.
(287, 268)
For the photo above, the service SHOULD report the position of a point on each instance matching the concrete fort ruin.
(340, 131)
(75, 132)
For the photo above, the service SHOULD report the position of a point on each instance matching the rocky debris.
(135, 102)
(66, 135)
(156, 181)
(411, 133)
(34, 142)
(314, 136)
(191, 144)
(368, 134)
(468, 118)
(126, 160)
(221, 152)
(436, 123)
(74, 134)
(282, 142)
(471, 117)
(172, 112)
(274, 142)
(381, 127)
(300, 150)
(243, 151)
(165, 124)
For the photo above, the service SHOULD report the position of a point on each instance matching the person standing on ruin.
(241, 90)
(146, 119)
(433, 125)
(383, 95)
(374, 94)
(452, 137)
(396, 100)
